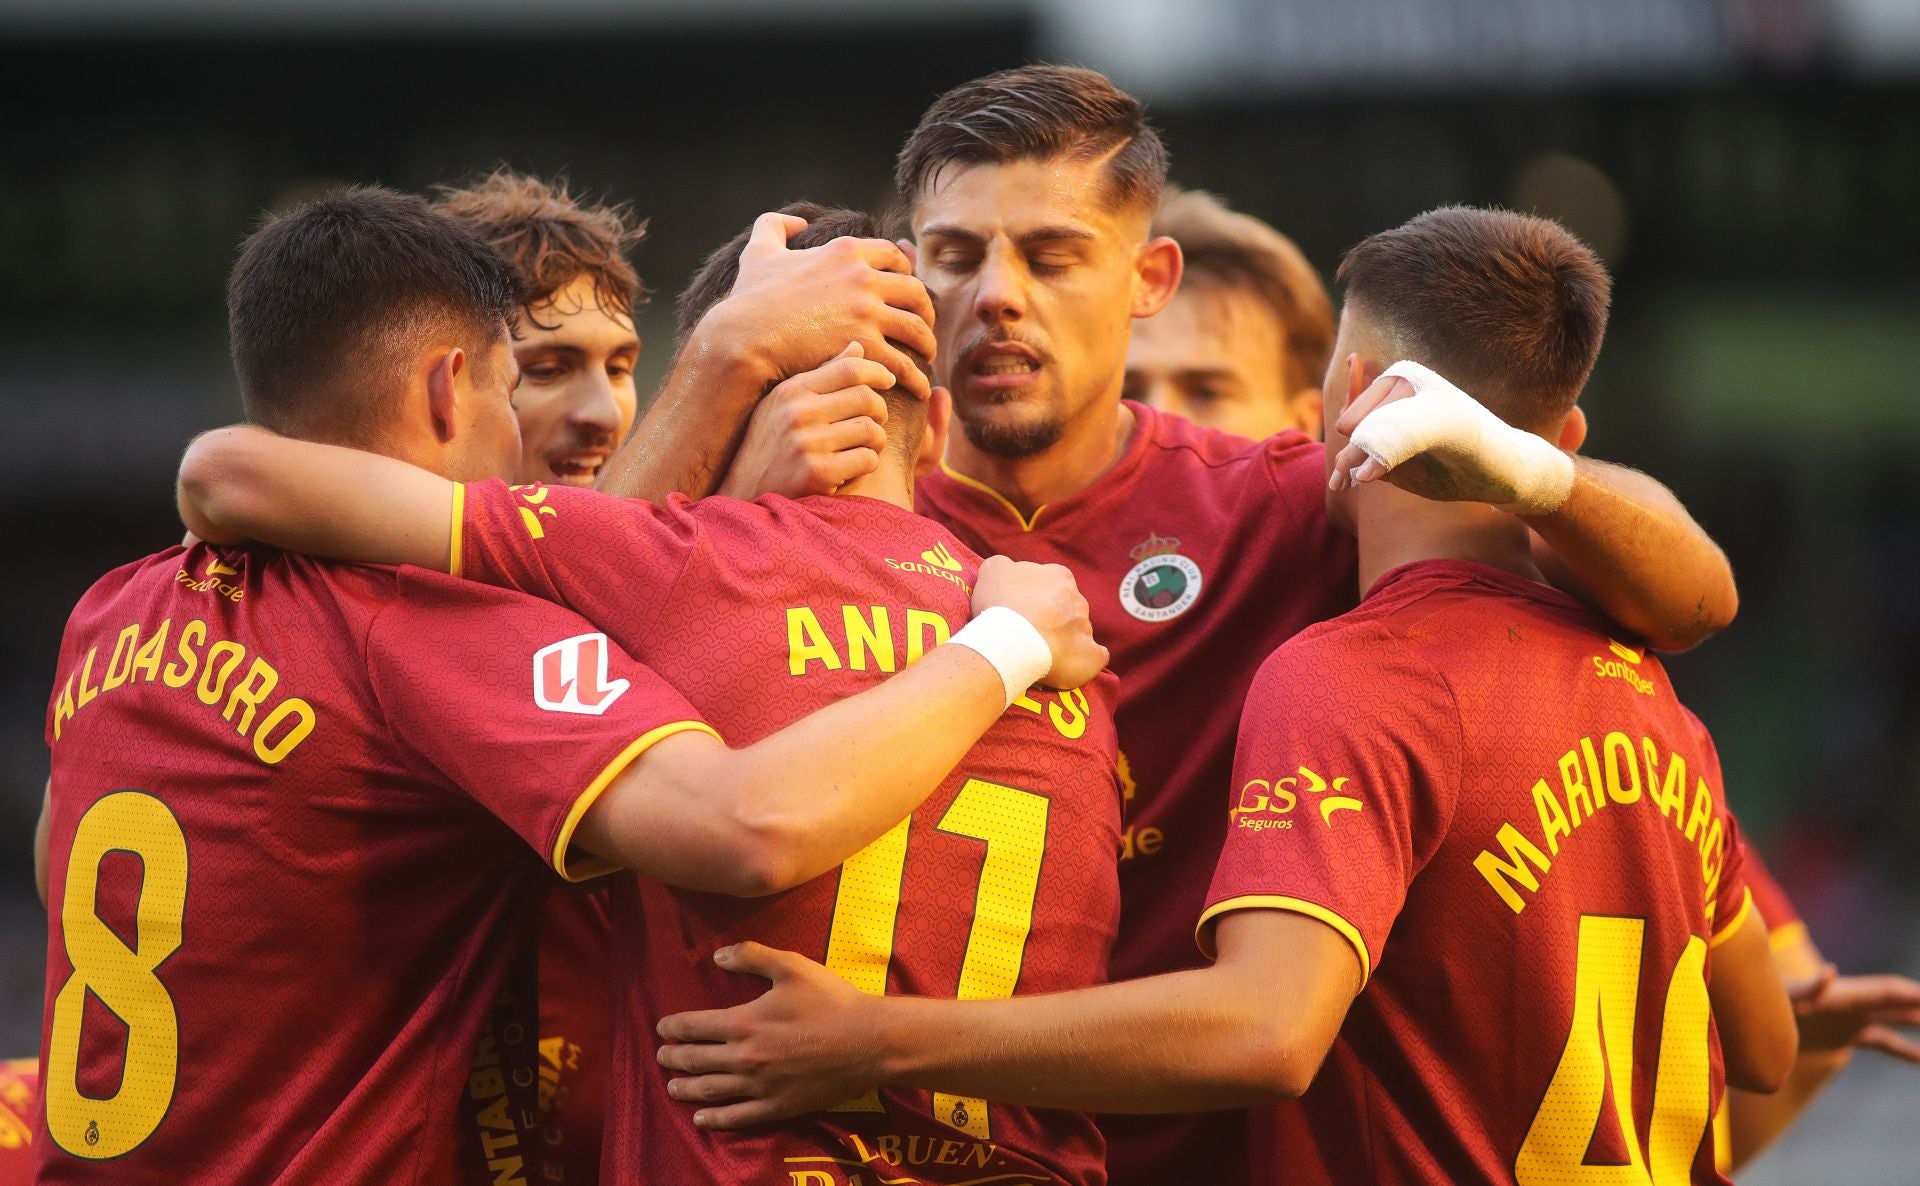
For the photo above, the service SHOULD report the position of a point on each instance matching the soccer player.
(19, 1089)
(299, 813)
(1480, 887)
(1030, 193)
(1003, 882)
(1836, 1015)
(1244, 341)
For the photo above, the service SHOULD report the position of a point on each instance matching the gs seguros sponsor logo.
(1267, 804)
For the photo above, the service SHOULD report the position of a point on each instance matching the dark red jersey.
(19, 1105)
(300, 817)
(538, 1084)
(1522, 834)
(1003, 882)
(1199, 552)
(1784, 925)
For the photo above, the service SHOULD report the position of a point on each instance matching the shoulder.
(1178, 441)
(1361, 667)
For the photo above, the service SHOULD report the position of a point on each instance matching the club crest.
(1162, 583)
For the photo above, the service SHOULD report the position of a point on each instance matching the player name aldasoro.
(208, 670)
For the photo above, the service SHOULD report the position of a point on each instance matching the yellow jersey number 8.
(122, 977)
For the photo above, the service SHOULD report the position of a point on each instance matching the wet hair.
(1037, 113)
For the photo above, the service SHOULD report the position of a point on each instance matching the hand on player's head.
(1047, 596)
(800, 306)
(815, 432)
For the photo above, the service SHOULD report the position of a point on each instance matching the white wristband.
(1017, 650)
(1443, 419)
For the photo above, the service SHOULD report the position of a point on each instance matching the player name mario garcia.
(1597, 771)
(220, 674)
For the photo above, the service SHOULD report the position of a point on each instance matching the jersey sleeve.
(1344, 779)
(1784, 924)
(520, 704)
(612, 559)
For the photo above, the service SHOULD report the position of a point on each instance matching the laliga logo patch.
(1162, 583)
(571, 676)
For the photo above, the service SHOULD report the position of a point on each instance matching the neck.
(1088, 448)
(890, 483)
(1397, 528)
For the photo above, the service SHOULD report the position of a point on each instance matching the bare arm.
(787, 312)
(1621, 539)
(782, 811)
(1626, 543)
(1836, 1014)
(246, 483)
(1750, 1007)
(1182, 1042)
(42, 833)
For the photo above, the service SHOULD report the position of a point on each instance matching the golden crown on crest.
(1154, 545)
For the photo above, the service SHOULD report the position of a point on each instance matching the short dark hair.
(550, 238)
(906, 414)
(329, 302)
(1227, 249)
(1037, 113)
(1509, 306)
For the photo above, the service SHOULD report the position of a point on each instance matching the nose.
(593, 407)
(1000, 292)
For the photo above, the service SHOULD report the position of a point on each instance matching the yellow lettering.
(123, 647)
(1620, 758)
(213, 684)
(949, 1153)
(494, 1115)
(1702, 809)
(914, 1155)
(863, 637)
(179, 675)
(1710, 854)
(1553, 821)
(86, 673)
(302, 715)
(809, 1178)
(890, 1148)
(1142, 842)
(253, 687)
(1501, 874)
(1575, 783)
(920, 623)
(1673, 791)
(63, 711)
(807, 642)
(1593, 773)
(1069, 715)
(146, 664)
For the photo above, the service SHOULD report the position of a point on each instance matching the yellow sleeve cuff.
(1203, 933)
(459, 521)
(1733, 924)
(590, 867)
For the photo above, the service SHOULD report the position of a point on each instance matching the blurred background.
(1750, 169)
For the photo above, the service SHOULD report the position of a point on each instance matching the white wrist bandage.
(1017, 650)
(1445, 420)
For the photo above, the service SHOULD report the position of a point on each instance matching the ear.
(1361, 374)
(442, 399)
(1307, 407)
(933, 440)
(1573, 430)
(1157, 269)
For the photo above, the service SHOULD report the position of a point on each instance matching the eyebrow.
(1045, 234)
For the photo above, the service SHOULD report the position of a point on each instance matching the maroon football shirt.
(1200, 552)
(19, 1104)
(1522, 834)
(300, 816)
(1003, 882)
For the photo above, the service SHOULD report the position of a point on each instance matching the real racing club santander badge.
(1162, 584)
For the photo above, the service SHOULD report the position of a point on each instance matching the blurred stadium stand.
(1750, 169)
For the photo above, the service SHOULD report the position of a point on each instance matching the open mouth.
(1003, 364)
(577, 469)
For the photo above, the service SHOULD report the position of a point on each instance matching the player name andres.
(275, 727)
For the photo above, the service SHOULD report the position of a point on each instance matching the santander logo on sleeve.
(571, 676)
